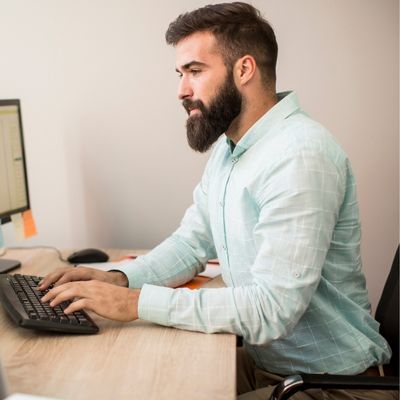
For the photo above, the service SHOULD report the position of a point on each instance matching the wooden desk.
(137, 360)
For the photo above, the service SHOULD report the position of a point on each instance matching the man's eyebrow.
(189, 65)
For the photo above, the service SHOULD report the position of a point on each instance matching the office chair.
(387, 314)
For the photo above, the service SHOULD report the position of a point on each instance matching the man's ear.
(244, 69)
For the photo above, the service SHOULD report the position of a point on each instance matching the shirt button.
(224, 248)
(221, 203)
(234, 160)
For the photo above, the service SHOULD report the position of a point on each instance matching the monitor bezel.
(6, 216)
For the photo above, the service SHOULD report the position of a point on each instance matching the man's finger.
(63, 292)
(65, 275)
(78, 305)
(51, 278)
(74, 274)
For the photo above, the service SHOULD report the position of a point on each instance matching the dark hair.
(239, 29)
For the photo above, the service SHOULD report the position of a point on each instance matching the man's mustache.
(190, 105)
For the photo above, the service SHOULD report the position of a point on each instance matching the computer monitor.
(14, 194)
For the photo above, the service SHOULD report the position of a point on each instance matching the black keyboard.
(21, 298)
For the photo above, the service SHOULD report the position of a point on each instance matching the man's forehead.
(199, 46)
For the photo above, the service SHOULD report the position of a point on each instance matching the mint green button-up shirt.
(279, 211)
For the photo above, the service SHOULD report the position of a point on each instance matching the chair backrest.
(387, 313)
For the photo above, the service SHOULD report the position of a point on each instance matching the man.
(277, 206)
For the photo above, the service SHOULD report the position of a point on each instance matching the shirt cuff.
(132, 269)
(154, 304)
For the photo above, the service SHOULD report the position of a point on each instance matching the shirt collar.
(287, 104)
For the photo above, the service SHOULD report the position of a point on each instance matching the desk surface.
(137, 360)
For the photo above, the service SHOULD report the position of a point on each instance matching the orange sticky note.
(29, 224)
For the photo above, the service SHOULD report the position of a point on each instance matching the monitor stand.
(8, 265)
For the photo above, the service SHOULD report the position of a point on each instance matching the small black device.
(87, 256)
(8, 265)
(20, 297)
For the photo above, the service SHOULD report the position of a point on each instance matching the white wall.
(107, 156)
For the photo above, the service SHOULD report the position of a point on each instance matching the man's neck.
(251, 112)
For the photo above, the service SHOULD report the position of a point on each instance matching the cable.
(6, 249)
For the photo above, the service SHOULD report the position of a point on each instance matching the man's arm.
(299, 205)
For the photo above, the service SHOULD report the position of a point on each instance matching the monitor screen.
(14, 196)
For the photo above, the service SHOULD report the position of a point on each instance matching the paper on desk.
(212, 270)
(104, 266)
(20, 396)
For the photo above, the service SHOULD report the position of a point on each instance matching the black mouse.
(87, 256)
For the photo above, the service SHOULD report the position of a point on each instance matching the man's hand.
(108, 300)
(70, 274)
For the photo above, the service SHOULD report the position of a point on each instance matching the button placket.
(224, 246)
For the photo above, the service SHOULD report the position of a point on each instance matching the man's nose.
(184, 89)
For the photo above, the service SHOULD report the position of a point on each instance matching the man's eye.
(195, 71)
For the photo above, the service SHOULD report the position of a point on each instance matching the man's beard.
(204, 129)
